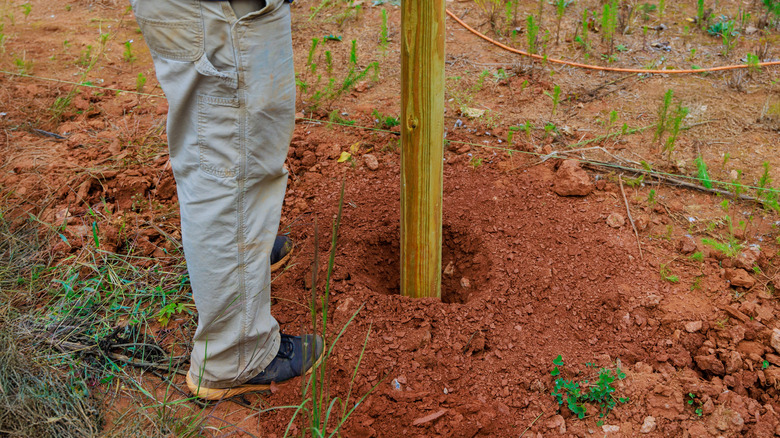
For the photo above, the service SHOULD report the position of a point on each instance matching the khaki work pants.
(230, 85)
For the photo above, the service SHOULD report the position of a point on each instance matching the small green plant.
(475, 162)
(26, 9)
(86, 57)
(728, 33)
(584, 38)
(703, 175)
(667, 275)
(729, 249)
(336, 117)
(555, 96)
(576, 394)
(700, 13)
(609, 23)
(698, 256)
(560, 10)
(532, 34)
(661, 7)
(329, 62)
(140, 82)
(170, 310)
(753, 63)
(383, 43)
(679, 115)
(692, 399)
(128, 55)
(663, 113)
(651, 198)
(2, 38)
(385, 122)
(23, 65)
(310, 60)
(765, 193)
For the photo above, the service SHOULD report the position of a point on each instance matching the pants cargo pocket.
(218, 136)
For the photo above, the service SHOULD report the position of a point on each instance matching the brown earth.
(529, 274)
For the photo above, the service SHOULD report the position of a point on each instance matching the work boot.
(297, 356)
(281, 252)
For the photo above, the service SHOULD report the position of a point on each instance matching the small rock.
(708, 407)
(571, 180)
(308, 159)
(649, 425)
(733, 362)
(371, 162)
(557, 422)
(710, 363)
(775, 340)
(740, 278)
(642, 222)
(465, 283)
(607, 428)
(450, 269)
(687, 245)
(693, 326)
(616, 220)
(748, 258)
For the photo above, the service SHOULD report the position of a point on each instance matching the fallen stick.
(631, 219)
(532, 424)
(668, 179)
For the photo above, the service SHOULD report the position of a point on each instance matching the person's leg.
(231, 96)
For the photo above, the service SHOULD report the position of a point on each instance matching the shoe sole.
(221, 393)
(276, 266)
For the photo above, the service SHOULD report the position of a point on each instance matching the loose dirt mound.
(528, 273)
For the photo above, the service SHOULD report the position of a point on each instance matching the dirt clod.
(648, 425)
(740, 278)
(371, 161)
(616, 220)
(571, 180)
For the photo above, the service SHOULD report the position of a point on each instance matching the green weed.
(663, 114)
(703, 175)
(700, 13)
(26, 9)
(679, 115)
(576, 394)
(532, 34)
(560, 10)
(140, 82)
(385, 122)
(128, 55)
(667, 275)
(609, 23)
(555, 96)
(692, 399)
(383, 43)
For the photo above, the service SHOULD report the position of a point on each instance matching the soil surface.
(540, 256)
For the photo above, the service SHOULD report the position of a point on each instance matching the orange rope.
(596, 67)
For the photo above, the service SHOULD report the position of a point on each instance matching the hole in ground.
(465, 267)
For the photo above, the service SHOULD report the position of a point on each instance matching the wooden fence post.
(422, 143)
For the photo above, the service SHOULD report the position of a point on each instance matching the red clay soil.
(528, 274)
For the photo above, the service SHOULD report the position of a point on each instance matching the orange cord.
(596, 67)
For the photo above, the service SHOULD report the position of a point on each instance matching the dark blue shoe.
(281, 252)
(297, 356)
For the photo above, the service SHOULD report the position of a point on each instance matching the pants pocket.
(218, 136)
(173, 29)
